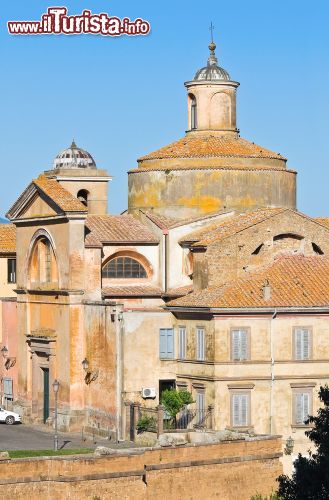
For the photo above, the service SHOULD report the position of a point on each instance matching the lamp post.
(289, 446)
(55, 388)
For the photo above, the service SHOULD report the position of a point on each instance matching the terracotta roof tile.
(117, 229)
(232, 225)
(145, 290)
(65, 200)
(295, 281)
(169, 223)
(207, 145)
(322, 220)
(180, 291)
(7, 238)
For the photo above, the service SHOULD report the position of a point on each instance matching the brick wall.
(229, 471)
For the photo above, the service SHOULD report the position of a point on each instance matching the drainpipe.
(119, 330)
(272, 371)
(165, 259)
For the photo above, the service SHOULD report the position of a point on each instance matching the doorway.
(164, 385)
(45, 394)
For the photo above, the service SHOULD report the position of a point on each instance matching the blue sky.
(123, 97)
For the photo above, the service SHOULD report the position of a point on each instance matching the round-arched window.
(123, 267)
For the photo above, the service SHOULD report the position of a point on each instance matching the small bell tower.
(211, 98)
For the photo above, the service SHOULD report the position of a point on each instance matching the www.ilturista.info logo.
(57, 22)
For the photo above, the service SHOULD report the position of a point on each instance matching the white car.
(9, 417)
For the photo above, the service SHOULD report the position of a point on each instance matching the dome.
(74, 157)
(212, 71)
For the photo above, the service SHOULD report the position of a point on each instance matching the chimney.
(267, 290)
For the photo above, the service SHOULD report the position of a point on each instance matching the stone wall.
(228, 471)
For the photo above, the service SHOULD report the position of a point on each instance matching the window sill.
(302, 426)
(242, 428)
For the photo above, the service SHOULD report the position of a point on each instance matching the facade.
(212, 281)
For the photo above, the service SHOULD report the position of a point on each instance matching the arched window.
(43, 266)
(123, 267)
(83, 196)
(194, 114)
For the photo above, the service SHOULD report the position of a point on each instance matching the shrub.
(310, 479)
(173, 401)
(145, 423)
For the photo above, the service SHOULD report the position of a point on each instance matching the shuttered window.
(302, 341)
(182, 342)
(200, 347)
(239, 345)
(302, 406)
(240, 409)
(8, 388)
(166, 343)
(200, 407)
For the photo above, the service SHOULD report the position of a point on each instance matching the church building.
(211, 281)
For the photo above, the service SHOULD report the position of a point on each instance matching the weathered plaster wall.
(220, 375)
(8, 317)
(142, 364)
(6, 289)
(186, 193)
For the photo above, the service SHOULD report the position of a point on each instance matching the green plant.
(310, 479)
(173, 401)
(145, 423)
(48, 453)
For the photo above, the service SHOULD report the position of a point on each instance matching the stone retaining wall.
(228, 470)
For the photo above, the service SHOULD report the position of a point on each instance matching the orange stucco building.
(200, 285)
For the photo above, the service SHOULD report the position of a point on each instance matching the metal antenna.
(211, 29)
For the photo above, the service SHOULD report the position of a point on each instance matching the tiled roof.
(295, 281)
(169, 223)
(7, 238)
(180, 291)
(145, 290)
(232, 225)
(207, 145)
(116, 229)
(65, 200)
(322, 220)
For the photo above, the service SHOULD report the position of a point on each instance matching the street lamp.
(289, 446)
(55, 388)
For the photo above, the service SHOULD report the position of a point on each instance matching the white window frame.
(302, 405)
(240, 344)
(182, 342)
(302, 339)
(240, 402)
(200, 343)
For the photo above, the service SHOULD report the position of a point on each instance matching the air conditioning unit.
(148, 392)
